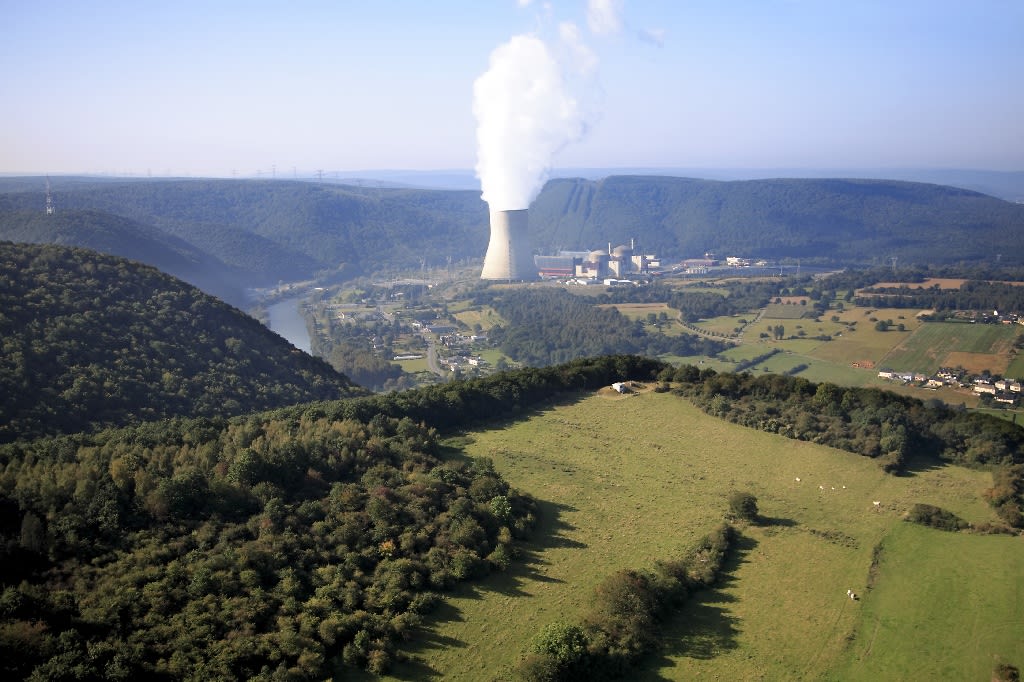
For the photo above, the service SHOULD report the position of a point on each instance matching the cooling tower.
(509, 256)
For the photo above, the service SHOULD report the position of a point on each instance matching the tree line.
(258, 549)
(627, 611)
(867, 421)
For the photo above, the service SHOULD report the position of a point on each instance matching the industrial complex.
(616, 263)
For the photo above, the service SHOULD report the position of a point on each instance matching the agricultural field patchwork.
(626, 480)
(975, 347)
(863, 345)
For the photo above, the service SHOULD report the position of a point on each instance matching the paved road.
(432, 364)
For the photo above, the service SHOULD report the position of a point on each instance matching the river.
(286, 319)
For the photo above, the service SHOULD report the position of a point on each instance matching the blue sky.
(224, 87)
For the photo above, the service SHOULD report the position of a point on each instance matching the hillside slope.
(118, 236)
(91, 340)
(843, 220)
(287, 230)
(266, 231)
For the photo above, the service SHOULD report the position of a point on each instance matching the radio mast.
(49, 199)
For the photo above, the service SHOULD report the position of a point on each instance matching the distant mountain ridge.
(119, 236)
(847, 221)
(255, 233)
(91, 341)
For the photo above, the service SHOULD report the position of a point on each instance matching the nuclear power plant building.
(596, 265)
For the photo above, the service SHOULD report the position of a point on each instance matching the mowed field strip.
(626, 480)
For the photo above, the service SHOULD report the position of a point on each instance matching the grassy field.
(865, 345)
(781, 311)
(975, 347)
(415, 365)
(981, 618)
(726, 324)
(1015, 369)
(640, 311)
(626, 480)
(485, 316)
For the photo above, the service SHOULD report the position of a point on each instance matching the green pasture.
(864, 343)
(745, 351)
(809, 326)
(783, 311)
(1015, 369)
(929, 347)
(414, 366)
(623, 481)
(943, 606)
(485, 316)
(817, 370)
(1015, 415)
(640, 311)
(726, 324)
(492, 355)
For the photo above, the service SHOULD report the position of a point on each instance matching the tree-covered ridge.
(271, 230)
(286, 230)
(260, 549)
(972, 295)
(128, 238)
(843, 220)
(550, 326)
(91, 341)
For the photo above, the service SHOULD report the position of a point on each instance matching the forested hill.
(91, 340)
(119, 236)
(264, 231)
(287, 230)
(843, 220)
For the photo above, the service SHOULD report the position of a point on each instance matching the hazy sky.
(220, 87)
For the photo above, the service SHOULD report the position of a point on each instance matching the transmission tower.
(49, 199)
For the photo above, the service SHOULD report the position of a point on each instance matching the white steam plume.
(603, 16)
(525, 114)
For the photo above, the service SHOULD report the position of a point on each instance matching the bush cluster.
(936, 517)
(624, 621)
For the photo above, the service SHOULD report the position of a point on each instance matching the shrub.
(564, 642)
(1004, 672)
(743, 505)
(935, 517)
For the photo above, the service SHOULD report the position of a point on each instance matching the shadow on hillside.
(777, 521)
(423, 640)
(921, 464)
(552, 531)
(703, 628)
(514, 415)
